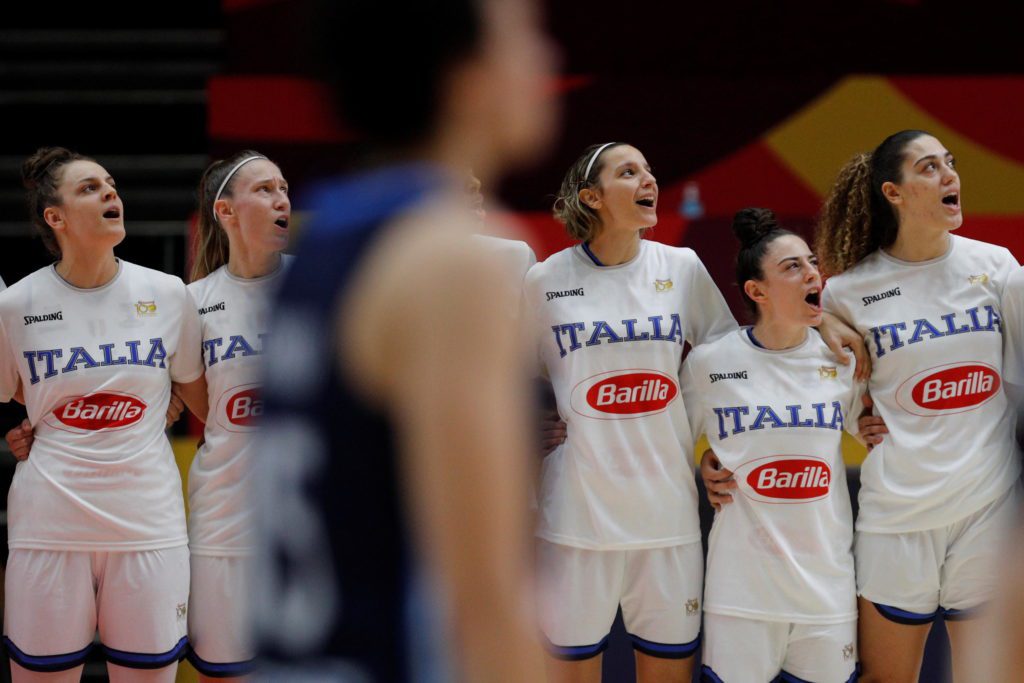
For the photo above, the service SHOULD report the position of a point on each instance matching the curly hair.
(857, 219)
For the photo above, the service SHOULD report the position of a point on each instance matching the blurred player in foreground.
(391, 481)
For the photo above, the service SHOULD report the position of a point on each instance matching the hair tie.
(227, 178)
(593, 158)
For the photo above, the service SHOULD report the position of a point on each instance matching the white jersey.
(233, 313)
(934, 330)
(783, 549)
(515, 254)
(611, 341)
(1013, 338)
(96, 366)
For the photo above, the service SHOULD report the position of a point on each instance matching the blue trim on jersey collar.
(592, 255)
(344, 203)
(753, 339)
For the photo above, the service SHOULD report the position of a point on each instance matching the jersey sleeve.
(692, 398)
(187, 363)
(709, 316)
(8, 367)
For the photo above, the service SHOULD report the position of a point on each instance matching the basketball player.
(395, 443)
(939, 489)
(780, 596)
(97, 525)
(618, 509)
(243, 227)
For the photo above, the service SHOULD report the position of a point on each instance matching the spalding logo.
(240, 408)
(624, 394)
(103, 410)
(949, 389)
(786, 479)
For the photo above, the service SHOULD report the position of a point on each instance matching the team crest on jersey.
(239, 408)
(785, 479)
(978, 279)
(692, 607)
(145, 309)
(847, 652)
(101, 411)
(948, 389)
(624, 394)
(663, 285)
(827, 372)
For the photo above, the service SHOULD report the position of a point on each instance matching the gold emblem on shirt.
(145, 308)
(978, 279)
(692, 607)
(663, 285)
(827, 372)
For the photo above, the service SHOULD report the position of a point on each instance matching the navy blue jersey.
(334, 578)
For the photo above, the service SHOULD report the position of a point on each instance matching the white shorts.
(659, 590)
(218, 616)
(911, 576)
(740, 650)
(57, 599)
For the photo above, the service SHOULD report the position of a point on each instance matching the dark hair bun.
(750, 225)
(37, 167)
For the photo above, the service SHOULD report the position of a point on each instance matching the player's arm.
(193, 395)
(459, 387)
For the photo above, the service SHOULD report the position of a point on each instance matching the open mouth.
(112, 213)
(282, 223)
(647, 202)
(814, 298)
(952, 199)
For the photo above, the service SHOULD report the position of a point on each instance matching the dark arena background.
(734, 104)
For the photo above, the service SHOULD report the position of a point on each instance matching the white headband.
(593, 158)
(227, 178)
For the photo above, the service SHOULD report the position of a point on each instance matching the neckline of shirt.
(920, 264)
(255, 280)
(745, 333)
(87, 290)
(582, 256)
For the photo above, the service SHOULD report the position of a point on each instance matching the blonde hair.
(581, 221)
(212, 249)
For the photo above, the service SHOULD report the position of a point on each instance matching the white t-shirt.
(96, 366)
(783, 549)
(1013, 338)
(934, 331)
(611, 342)
(233, 313)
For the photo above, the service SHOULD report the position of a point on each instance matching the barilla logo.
(624, 394)
(240, 408)
(244, 407)
(949, 389)
(786, 479)
(103, 410)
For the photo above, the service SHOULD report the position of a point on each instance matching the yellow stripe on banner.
(858, 113)
(184, 450)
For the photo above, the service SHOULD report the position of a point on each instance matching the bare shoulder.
(425, 285)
